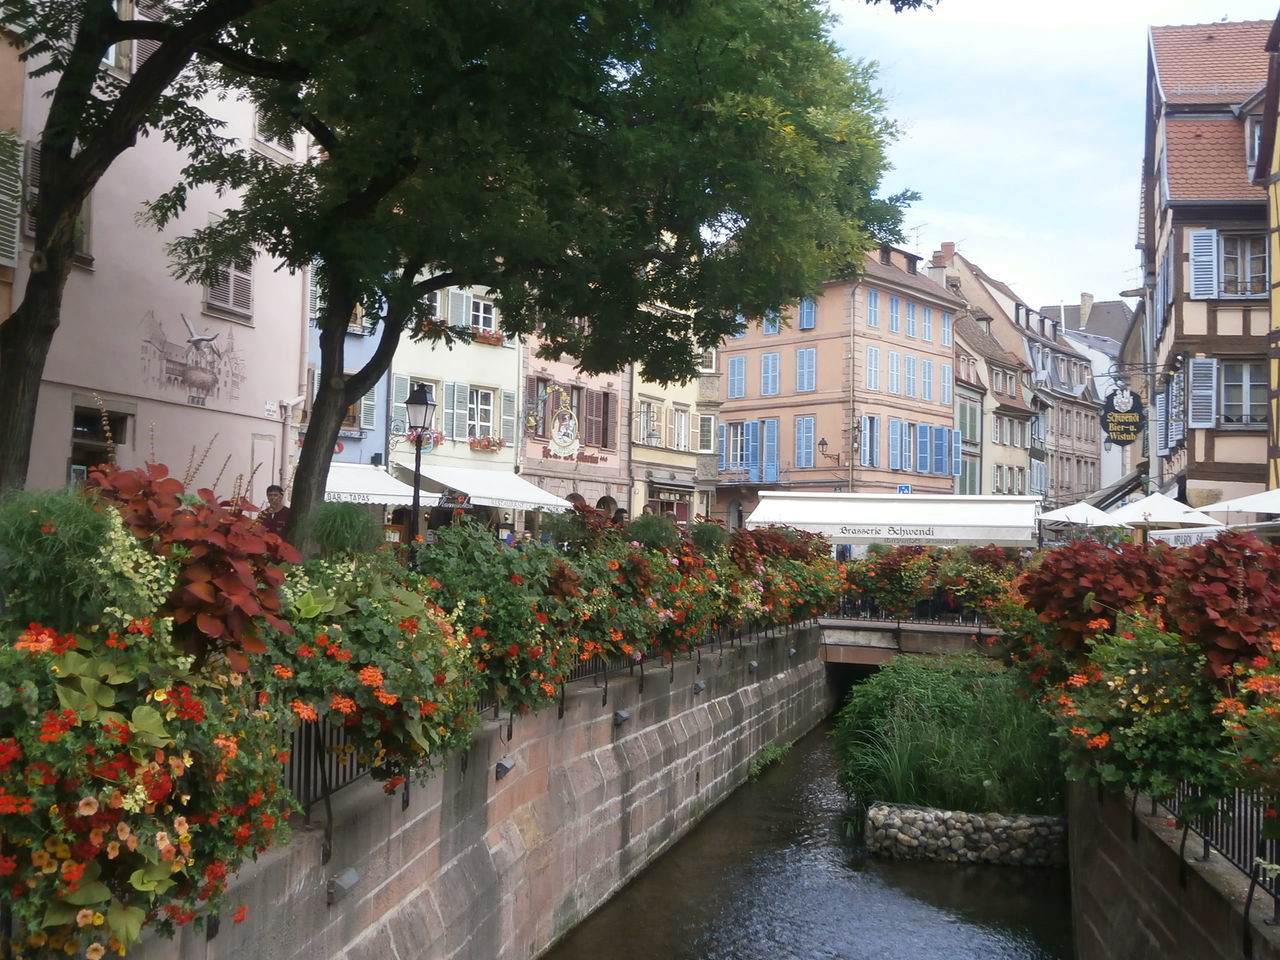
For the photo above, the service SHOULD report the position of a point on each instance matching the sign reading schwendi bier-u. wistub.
(1122, 417)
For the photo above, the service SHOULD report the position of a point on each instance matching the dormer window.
(1252, 139)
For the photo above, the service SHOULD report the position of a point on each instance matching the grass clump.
(950, 732)
(772, 753)
(337, 529)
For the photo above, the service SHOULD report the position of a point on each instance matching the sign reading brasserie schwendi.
(1122, 417)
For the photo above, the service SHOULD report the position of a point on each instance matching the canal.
(770, 875)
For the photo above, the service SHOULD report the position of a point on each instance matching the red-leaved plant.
(229, 567)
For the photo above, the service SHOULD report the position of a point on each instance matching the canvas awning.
(489, 488)
(1081, 515)
(365, 483)
(1158, 512)
(928, 519)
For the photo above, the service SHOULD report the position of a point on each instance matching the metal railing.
(935, 610)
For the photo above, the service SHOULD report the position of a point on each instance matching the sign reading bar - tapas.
(1122, 417)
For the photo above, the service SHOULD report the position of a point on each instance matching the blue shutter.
(770, 444)
(873, 308)
(941, 461)
(808, 313)
(737, 377)
(864, 446)
(927, 331)
(956, 446)
(752, 428)
(895, 444)
(922, 448)
(1203, 258)
(806, 369)
(723, 453)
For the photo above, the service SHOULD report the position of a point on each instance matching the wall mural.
(198, 365)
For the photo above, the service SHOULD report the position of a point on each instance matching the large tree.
(95, 114)
(582, 160)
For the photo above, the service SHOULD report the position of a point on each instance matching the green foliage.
(49, 544)
(343, 528)
(709, 538)
(654, 532)
(772, 753)
(952, 732)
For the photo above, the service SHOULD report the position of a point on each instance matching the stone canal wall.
(481, 868)
(1134, 898)
(923, 833)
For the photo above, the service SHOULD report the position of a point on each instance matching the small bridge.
(869, 642)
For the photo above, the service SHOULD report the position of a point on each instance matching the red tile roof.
(1211, 62)
(1205, 158)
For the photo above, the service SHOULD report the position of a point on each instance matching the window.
(895, 376)
(739, 327)
(804, 442)
(480, 412)
(1227, 264)
(10, 198)
(737, 380)
(926, 330)
(872, 378)
(869, 445)
(806, 369)
(1252, 139)
(1244, 392)
(679, 428)
(649, 424)
(736, 453)
(911, 319)
(769, 450)
(895, 317)
(771, 324)
(970, 418)
(901, 444)
(31, 170)
(282, 142)
(808, 313)
(968, 478)
(946, 329)
(944, 387)
(922, 447)
(909, 362)
(769, 364)
(926, 379)
(707, 362)
(873, 308)
(706, 433)
(401, 387)
(232, 288)
(600, 422)
(89, 436)
(482, 316)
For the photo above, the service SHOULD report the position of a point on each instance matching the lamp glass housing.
(420, 407)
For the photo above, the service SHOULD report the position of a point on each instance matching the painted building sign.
(1122, 417)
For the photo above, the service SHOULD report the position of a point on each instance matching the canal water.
(770, 875)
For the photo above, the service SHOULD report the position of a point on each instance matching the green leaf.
(125, 922)
(57, 913)
(147, 723)
(71, 664)
(148, 878)
(90, 892)
(72, 699)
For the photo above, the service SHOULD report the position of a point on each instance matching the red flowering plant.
(1141, 713)
(898, 579)
(132, 782)
(972, 579)
(371, 654)
(496, 599)
(618, 609)
(1250, 713)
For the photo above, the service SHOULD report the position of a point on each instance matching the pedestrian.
(620, 516)
(275, 516)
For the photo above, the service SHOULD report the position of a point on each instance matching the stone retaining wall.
(923, 833)
(479, 868)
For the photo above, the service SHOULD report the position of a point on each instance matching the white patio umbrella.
(1082, 515)
(1158, 512)
(1268, 501)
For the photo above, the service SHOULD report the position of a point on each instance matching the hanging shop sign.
(1122, 417)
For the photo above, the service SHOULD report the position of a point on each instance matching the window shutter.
(313, 294)
(1203, 407)
(864, 448)
(753, 450)
(399, 394)
(956, 440)
(509, 416)
(907, 441)
(242, 285)
(10, 198)
(459, 308)
(594, 420)
(32, 167)
(143, 49)
(534, 412)
(609, 427)
(926, 379)
(922, 447)
(941, 459)
(873, 368)
(315, 384)
(770, 450)
(1203, 256)
(895, 444)
(895, 385)
(369, 410)
(874, 424)
(673, 441)
(1162, 424)
(457, 396)
(721, 465)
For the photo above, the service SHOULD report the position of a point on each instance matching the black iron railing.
(934, 610)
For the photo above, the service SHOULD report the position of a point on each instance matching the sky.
(1021, 127)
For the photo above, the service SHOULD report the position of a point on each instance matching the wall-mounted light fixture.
(791, 652)
(698, 686)
(503, 767)
(822, 449)
(620, 717)
(753, 666)
(340, 885)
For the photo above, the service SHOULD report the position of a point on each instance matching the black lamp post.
(420, 408)
(822, 449)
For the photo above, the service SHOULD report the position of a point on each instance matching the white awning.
(927, 519)
(489, 488)
(365, 483)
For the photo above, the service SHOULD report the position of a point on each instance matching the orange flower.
(1229, 705)
(342, 704)
(1101, 740)
(390, 699)
(370, 676)
(281, 671)
(1101, 623)
(304, 710)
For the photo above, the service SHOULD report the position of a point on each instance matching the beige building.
(999, 421)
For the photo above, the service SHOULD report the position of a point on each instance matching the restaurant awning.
(489, 488)
(365, 483)
(928, 519)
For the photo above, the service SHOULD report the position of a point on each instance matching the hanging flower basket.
(492, 337)
(486, 444)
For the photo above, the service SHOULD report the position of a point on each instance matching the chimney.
(1086, 305)
(948, 249)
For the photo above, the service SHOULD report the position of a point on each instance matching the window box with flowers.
(492, 337)
(486, 444)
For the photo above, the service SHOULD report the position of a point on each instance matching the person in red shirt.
(275, 516)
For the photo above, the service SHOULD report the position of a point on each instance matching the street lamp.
(822, 449)
(419, 407)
